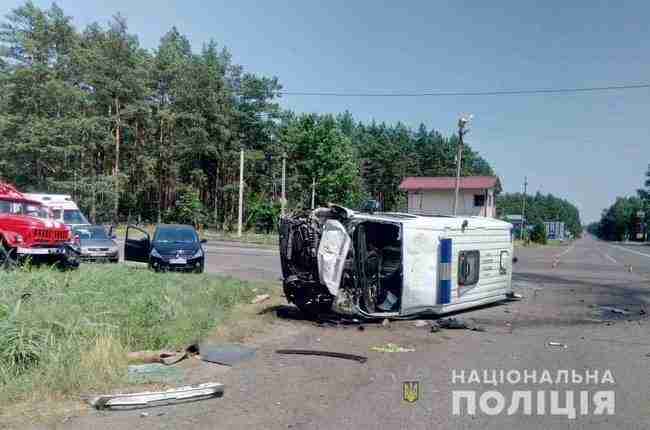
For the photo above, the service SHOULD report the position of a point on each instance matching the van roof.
(54, 201)
(436, 222)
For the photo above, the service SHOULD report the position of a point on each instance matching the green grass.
(63, 334)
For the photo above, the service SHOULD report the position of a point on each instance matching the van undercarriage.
(335, 263)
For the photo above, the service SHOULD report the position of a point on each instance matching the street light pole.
(241, 193)
(283, 199)
(462, 122)
(523, 208)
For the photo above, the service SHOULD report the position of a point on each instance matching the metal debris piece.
(226, 354)
(558, 344)
(154, 373)
(359, 358)
(157, 398)
(459, 324)
(615, 310)
(164, 357)
(260, 298)
(391, 347)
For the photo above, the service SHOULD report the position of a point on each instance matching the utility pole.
(313, 192)
(283, 198)
(462, 122)
(523, 208)
(241, 191)
(216, 198)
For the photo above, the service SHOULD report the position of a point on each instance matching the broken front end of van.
(393, 265)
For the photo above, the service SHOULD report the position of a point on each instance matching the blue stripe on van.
(444, 282)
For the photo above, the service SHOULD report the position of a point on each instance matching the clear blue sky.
(588, 148)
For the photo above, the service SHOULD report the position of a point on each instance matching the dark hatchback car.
(174, 247)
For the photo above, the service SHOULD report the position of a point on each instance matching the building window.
(469, 264)
(479, 200)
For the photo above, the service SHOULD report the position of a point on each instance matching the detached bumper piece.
(149, 399)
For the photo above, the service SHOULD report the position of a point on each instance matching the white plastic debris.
(157, 398)
(558, 344)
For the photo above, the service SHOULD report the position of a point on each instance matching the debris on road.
(615, 310)
(385, 323)
(157, 398)
(165, 357)
(153, 373)
(391, 347)
(359, 358)
(226, 354)
(435, 327)
(260, 298)
(558, 344)
(420, 323)
(459, 324)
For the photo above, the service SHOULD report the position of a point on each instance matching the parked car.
(174, 247)
(96, 244)
(393, 265)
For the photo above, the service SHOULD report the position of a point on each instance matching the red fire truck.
(28, 232)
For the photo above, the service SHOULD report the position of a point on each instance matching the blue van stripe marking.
(444, 271)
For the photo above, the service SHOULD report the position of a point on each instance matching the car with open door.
(173, 247)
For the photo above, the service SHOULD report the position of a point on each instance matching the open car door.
(137, 245)
(332, 251)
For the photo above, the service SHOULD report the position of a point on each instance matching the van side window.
(469, 263)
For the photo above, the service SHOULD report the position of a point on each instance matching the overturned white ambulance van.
(393, 265)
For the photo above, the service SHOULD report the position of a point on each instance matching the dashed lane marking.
(631, 251)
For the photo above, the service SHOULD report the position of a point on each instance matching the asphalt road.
(567, 296)
(244, 261)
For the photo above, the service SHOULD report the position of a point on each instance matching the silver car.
(96, 244)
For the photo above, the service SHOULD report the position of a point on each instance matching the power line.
(469, 93)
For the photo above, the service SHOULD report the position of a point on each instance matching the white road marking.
(564, 252)
(610, 258)
(631, 251)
